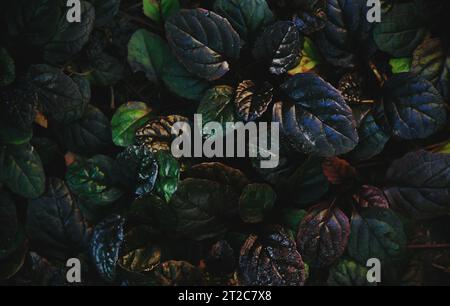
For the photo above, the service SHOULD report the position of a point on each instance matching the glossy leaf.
(279, 46)
(348, 273)
(55, 224)
(126, 120)
(255, 202)
(370, 196)
(323, 235)
(106, 70)
(271, 260)
(309, 59)
(318, 121)
(412, 107)
(168, 174)
(177, 273)
(160, 10)
(246, 17)
(192, 35)
(252, 99)
(21, 170)
(420, 184)
(376, 233)
(107, 238)
(401, 64)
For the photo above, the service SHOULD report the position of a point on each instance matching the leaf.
(105, 244)
(290, 218)
(13, 136)
(420, 184)
(160, 10)
(202, 208)
(252, 99)
(246, 17)
(279, 46)
(432, 62)
(255, 202)
(9, 225)
(370, 196)
(351, 86)
(126, 120)
(7, 68)
(33, 22)
(376, 233)
(70, 37)
(318, 121)
(217, 106)
(92, 180)
(372, 140)
(138, 169)
(141, 260)
(88, 135)
(309, 58)
(149, 53)
(271, 260)
(21, 170)
(412, 107)
(338, 170)
(220, 173)
(168, 175)
(347, 34)
(55, 224)
(348, 273)
(401, 64)
(177, 273)
(105, 10)
(157, 133)
(106, 70)
(192, 35)
(182, 82)
(323, 235)
(60, 96)
(11, 265)
(401, 30)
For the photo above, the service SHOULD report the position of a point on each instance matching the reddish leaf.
(371, 196)
(338, 170)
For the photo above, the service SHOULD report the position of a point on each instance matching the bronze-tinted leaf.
(252, 99)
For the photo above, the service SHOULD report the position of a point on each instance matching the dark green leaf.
(7, 68)
(401, 64)
(318, 121)
(401, 29)
(246, 17)
(192, 35)
(127, 119)
(168, 175)
(348, 273)
(105, 10)
(21, 170)
(107, 238)
(420, 184)
(376, 233)
(92, 180)
(323, 235)
(9, 224)
(55, 224)
(106, 70)
(279, 46)
(256, 202)
(160, 10)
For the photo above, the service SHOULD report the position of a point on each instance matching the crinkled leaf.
(246, 17)
(11, 265)
(21, 170)
(400, 64)
(412, 107)
(60, 96)
(318, 121)
(401, 29)
(323, 235)
(141, 260)
(202, 208)
(370, 196)
(309, 58)
(420, 184)
(252, 99)
(160, 10)
(92, 180)
(177, 273)
(105, 10)
(194, 36)
(126, 120)
(256, 202)
(348, 273)
(70, 37)
(138, 169)
(279, 46)
(271, 260)
(168, 174)
(376, 233)
(88, 135)
(338, 170)
(106, 70)
(107, 238)
(55, 224)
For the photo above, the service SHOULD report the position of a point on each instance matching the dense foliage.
(86, 111)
